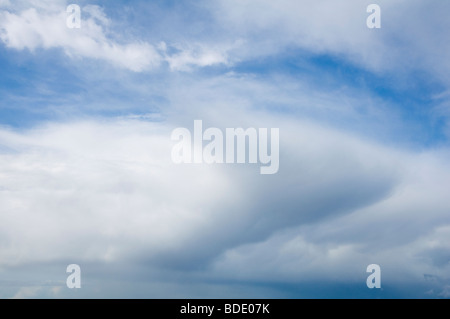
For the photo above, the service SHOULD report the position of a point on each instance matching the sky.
(87, 178)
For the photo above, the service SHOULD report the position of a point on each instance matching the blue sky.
(86, 175)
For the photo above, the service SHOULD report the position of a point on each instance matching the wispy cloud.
(46, 28)
(186, 57)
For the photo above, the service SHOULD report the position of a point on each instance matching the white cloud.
(121, 181)
(43, 25)
(107, 192)
(188, 56)
(411, 35)
(35, 28)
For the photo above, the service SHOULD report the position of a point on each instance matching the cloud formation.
(345, 206)
(95, 184)
(410, 36)
(35, 28)
(44, 26)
